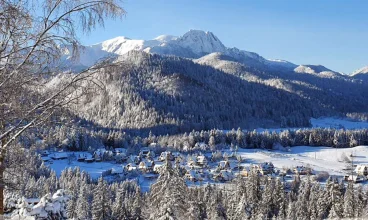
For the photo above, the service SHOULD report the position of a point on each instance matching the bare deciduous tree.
(33, 37)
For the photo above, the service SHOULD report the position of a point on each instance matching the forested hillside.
(169, 94)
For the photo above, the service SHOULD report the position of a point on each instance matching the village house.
(129, 167)
(264, 168)
(356, 178)
(81, 157)
(224, 165)
(120, 158)
(134, 159)
(166, 154)
(98, 155)
(302, 170)
(120, 151)
(223, 175)
(146, 165)
(59, 156)
(89, 158)
(244, 172)
(201, 160)
(193, 176)
(146, 153)
(362, 170)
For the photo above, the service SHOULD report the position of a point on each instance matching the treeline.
(254, 197)
(81, 138)
(338, 138)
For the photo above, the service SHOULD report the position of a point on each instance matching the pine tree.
(241, 209)
(194, 211)
(168, 196)
(291, 214)
(336, 200)
(359, 202)
(118, 209)
(100, 205)
(279, 200)
(349, 201)
(83, 205)
(137, 205)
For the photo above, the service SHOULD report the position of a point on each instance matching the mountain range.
(195, 44)
(177, 84)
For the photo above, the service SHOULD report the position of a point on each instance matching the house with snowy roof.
(361, 169)
(129, 167)
(146, 165)
(245, 171)
(224, 165)
(59, 156)
(193, 176)
(356, 178)
(223, 175)
(134, 159)
(302, 170)
(264, 168)
(81, 157)
(166, 154)
(89, 158)
(146, 153)
(201, 160)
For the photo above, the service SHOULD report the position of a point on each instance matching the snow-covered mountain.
(196, 44)
(363, 70)
(361, 73)
(193, 44)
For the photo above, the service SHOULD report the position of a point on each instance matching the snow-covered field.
(325, 122)
(318, 158)
(338, 123)
(95, 169)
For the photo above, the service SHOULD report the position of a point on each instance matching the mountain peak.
(201, 42)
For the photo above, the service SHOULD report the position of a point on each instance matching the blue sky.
(333, 33)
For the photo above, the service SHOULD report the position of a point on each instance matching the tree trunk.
(1, 188)
(2, 168)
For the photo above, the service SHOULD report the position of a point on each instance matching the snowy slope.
(363, 70)
(361, 73)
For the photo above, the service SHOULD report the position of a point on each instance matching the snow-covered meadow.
(326, 122)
